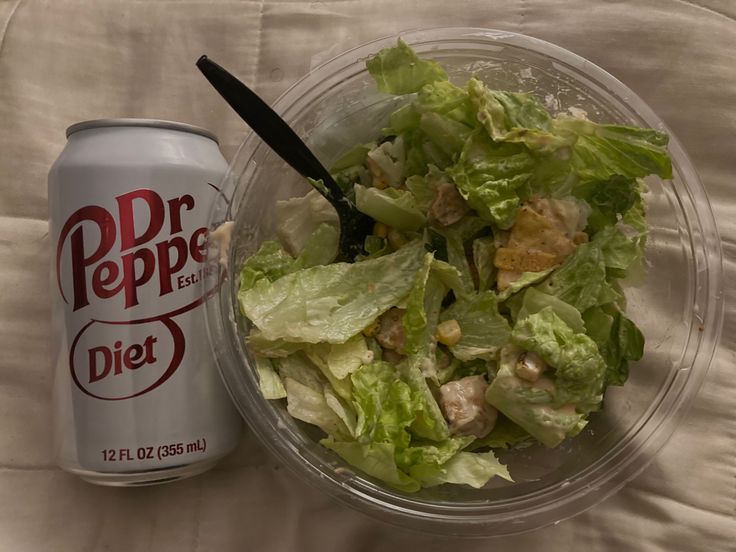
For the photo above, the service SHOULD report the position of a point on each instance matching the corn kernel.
(448, 332)
(371, 329)
(380, 230)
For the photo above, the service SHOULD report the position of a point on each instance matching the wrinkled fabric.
(63, 61)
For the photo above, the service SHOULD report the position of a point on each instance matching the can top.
(153, 123)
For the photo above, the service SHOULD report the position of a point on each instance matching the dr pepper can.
(137, 397)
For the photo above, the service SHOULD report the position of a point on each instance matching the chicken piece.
(390, 334)
(464, 404)
(448, 206)
(530, 366)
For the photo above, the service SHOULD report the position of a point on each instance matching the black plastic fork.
(281, 138)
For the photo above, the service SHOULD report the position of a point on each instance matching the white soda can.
(137, 396)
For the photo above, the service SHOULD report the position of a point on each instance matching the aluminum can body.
(137, 398)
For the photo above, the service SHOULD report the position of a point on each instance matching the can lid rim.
(154, 123)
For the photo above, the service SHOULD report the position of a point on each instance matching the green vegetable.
(483, 252)
(492, 177)
(399, 70)
(320, 249)
(580, 279)
(534, 301)
(484, 330)
(269, 263)
(515, 398)
(465, 468)
(268, 379)
(297, 219)
(579, 368)
(618, 340)
(515, 118)
(395, 208)
(331, 303)
(603, 151)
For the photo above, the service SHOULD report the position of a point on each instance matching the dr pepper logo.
(138, 253)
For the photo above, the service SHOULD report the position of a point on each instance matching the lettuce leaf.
(444, 98)
(603, 151)
(534, 301)
(505, 434)
(580, 279)
(320, 249)
(331, 303)
(484, 330)
(297, 219)
(375, 459)
(525, 280)
(392, 207)
(618, 340)
(492, 177)
(269, 263)
(515, 118)
(268, 380)
(309, 405)
(529, 405)
(484, 249)
(399, 70)
(579, 368)
(465, 468)
(608, 200)
(384, 404)
(422, 309)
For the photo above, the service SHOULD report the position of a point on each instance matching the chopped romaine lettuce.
(530, 404)
(269, 381)
(484, 330)
(492, 177)
(399, 70)
(450, 185)
(579, 368)
(331, 303)
(297, 219)
(392, 207)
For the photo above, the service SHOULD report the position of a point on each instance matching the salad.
(486, 311)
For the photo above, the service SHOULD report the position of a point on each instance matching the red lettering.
(79, 262)
(175, 206)
(94, 374)
(141, 215)
(131, 282)
(132, 358)
(155, 205)
(198, 245)
(103, 276)
(165, 267)
(116, 358)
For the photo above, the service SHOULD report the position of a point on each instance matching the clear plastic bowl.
(678, 307)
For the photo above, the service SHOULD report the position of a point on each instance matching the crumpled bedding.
(63, 61)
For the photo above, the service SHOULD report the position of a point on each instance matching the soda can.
(137, 397)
